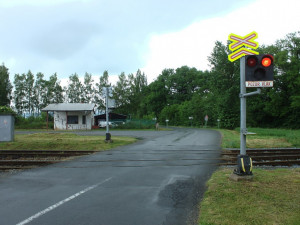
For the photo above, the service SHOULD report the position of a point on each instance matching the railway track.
(264, 157)
(25, 159)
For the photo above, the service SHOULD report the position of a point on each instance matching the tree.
(20, 93)
(99, 98)
(121, 94)
(283, 105)
(5, 87)
(224, 87)
(87, 89)
(54, 90)
(29, 93)
(47, 91)
(137, 85)
(158, 93)
(74, 89)
(38, 92)
(183, 84)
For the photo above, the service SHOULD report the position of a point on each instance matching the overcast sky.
(78, 36)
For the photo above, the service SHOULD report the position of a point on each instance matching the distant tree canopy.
(177, 95)
(5, 87)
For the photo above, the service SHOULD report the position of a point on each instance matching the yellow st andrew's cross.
(239, 41)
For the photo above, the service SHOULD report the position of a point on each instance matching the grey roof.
(69, 107)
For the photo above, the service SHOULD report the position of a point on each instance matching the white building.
(72, 116)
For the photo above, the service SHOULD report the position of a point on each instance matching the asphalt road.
(156, 181)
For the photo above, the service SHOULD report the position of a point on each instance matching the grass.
(63, 141)
(231, 138)
(264, 138)
(272, 197)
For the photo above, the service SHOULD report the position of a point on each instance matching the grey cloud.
(62, 40)
(95, 35)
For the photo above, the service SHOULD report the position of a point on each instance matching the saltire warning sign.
(240, 45)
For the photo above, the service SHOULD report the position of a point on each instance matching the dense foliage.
(5, 87)
(6, 110)
(183, 96)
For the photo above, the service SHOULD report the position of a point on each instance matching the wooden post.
(47, 120)
(66, 120)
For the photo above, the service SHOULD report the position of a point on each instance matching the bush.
(34, 125)
(6, 110)
(33, 122)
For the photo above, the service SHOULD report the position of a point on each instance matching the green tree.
(283, 99)
(157, 94)
(74, 89)
(5, 87)
(20, 93)
(38, 92)
(87, 89)
(121, 93)
(224, 87)
(99, 98)
(29, 94)
(49, 91)
(172, 113)
(54, 90)
(137, 85)
(183, 84)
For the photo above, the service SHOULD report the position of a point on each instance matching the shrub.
(33, 122)
(6, 110)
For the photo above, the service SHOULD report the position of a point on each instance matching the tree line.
(177, 95)
(32, 93)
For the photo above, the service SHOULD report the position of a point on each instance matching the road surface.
(156, 181)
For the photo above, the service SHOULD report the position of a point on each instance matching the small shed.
(72, 116)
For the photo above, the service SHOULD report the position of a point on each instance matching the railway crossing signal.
(259, 70)
(238, 42)
(255, 71)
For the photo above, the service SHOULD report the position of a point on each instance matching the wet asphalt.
(159, 180)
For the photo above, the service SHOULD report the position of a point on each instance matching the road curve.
(158, 180)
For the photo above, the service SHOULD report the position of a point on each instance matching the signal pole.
(255, 71)
(244, 161)
(243, 129)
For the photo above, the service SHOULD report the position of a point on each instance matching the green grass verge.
(264, 138)
(272, 197)
(63, 141)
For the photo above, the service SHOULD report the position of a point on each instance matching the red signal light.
(259, 70)
(266, 61)
(251, 61)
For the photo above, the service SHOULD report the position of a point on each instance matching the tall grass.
(63, 141)
(263, 138)
(291, 136)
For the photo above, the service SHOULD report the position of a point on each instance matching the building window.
(72, 119)
(83, 119)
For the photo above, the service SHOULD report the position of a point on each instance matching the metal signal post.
(244, 162)
(255, 71)
(243, 128)
(258, 71)
(243, 95)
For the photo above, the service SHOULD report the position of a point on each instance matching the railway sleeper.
(267, 163)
